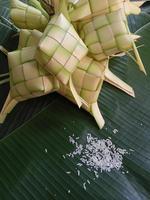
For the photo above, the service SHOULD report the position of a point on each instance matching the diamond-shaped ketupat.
(88, 80)
(57, 59)
(106, 35)
(27, 17)
(60, 48)
(27, 79)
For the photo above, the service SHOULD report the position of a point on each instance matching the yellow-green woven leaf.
(106, 35)
(27, 78)
(84, 9)
(27, 17)
(88, 79)
(29, 38)
(60, 48)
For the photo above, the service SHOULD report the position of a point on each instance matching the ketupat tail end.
(135, 37)
(2, 49)
(75, 94)
(117, 82)
(138, 3)
(131, 8)
(138, 59)
(97, 115)
(2, 118)
(7, 108)
(137, 56)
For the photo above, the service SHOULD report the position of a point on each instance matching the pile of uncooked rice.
(97, 155)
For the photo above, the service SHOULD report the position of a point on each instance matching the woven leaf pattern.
(25, 16)
(28, 79)
(92, 7)
(105, 36)
(29, 38)
(72, 55)
(84, 9)
(62, 47)
(88, 79)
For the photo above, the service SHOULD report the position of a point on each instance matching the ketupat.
(27, 17)
(104, 28)
(88, 80)
(27, 79)
(106, 35)
(83, 84)
(29, 38)
(60, 49)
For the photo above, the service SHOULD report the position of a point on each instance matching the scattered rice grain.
(68, 172)
(97, 155)
(78, 172)
(84, 186)
(69, 191)
(46, 151)
(115, 131)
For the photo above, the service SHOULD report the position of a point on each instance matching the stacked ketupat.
(103, 28)
(59, 55)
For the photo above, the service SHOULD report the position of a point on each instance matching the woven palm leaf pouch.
(27, 79)
(92, 74)
(60, 50)
(88, 80)
(27, 17)
(107, 33)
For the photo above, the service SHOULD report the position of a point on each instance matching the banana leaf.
(146, 7)
(5, 3)
(29, 172)
(142, 19)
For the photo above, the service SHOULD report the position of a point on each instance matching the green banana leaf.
(7, 29)
(146, 6)
(5, 3)
(28, 172)
(142, 19)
